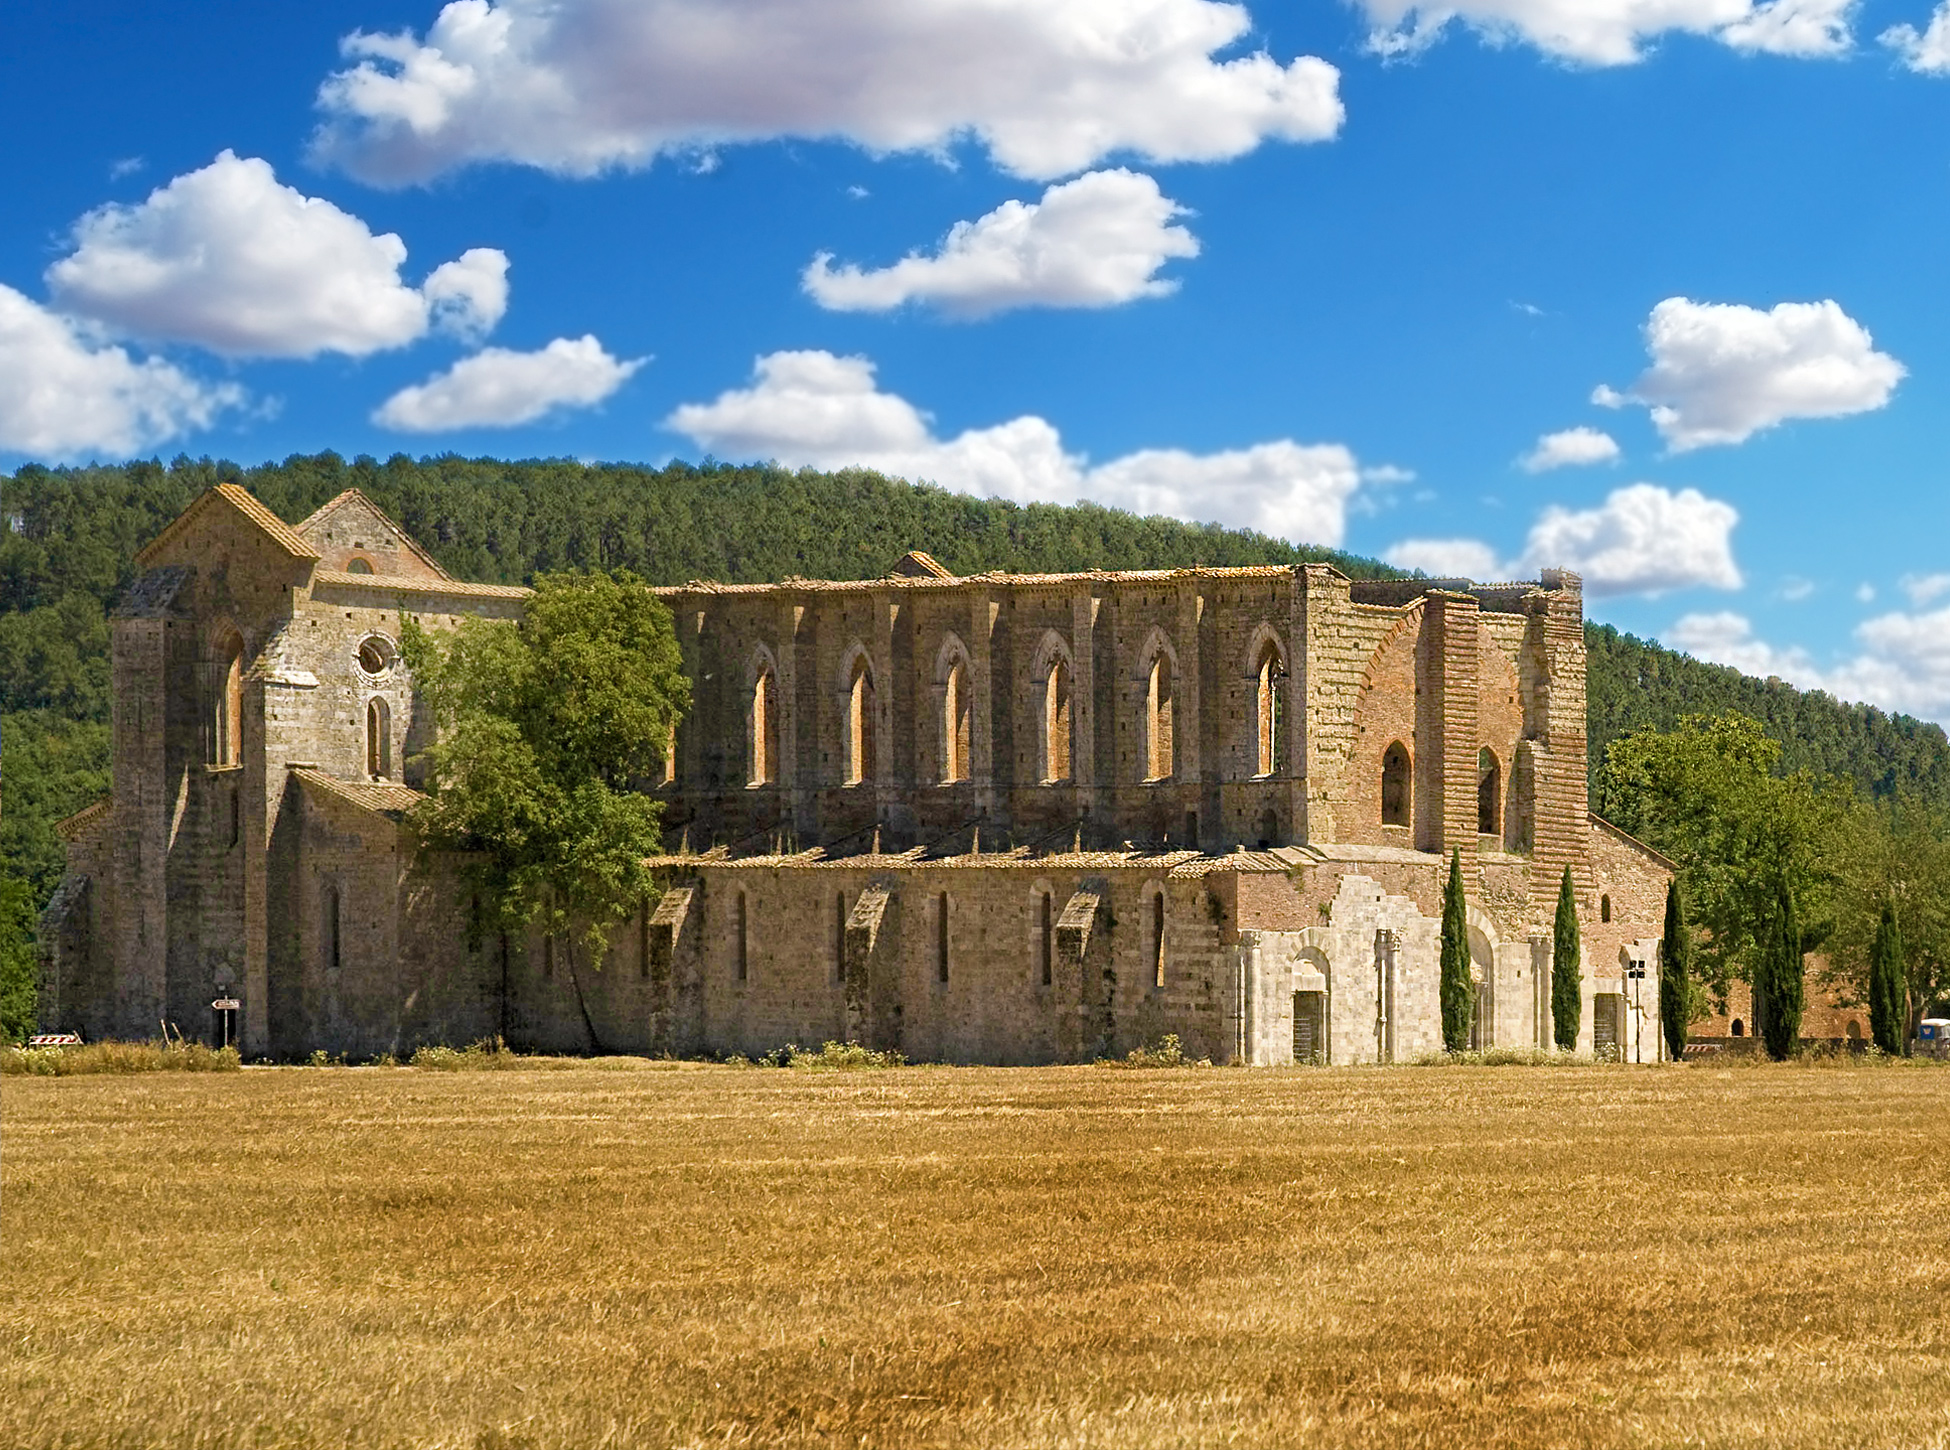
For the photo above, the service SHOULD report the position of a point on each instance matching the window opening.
(1158, 939)
(765, 729)
(229, 730)
(643, 943)
(1309, 1027)
(941, 937)
(859, 724)
(1489, 793)
(1739, 1028)
(956, 724)
(744, 957)
(839, 937)
(359, 566)
(1048, 935)
(236, 817)
(1158, 720)
(1272, 707)
(375, 655)
(1191, 830)
(1269, 829)
(379, 738)
(1395, 786)
(1056, 724)
(1604, 908)
(333, 940)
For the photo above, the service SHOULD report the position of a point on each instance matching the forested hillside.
(67, 537)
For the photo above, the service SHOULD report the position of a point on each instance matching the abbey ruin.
(999, 818)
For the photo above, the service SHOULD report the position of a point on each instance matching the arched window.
(1158, 939)
(1047, 936)
(228, 734)
(1604, 908)
(1269, 830)
(744, 956)
(1739, 1029)
(941, 937)
(765, 728)
(858, 743)
(1489, 794)
(1056, 723)
(1158, 720)
(379, 738)
(1271, 672)
(957, 721)
(359, 566)
(1395, 794)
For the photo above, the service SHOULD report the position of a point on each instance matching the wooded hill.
(68, 535)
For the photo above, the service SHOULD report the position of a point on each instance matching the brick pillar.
(885, 687)
(1328, 663)
(982, 612)
(1084, 606)
(137, 906)
(1450, 625)
(1187, 741)
(1562, 834)
(1295, 744)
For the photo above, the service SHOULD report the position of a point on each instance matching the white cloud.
(65, 395)
(498, 388)
(229, 259)
(1448, 558)
(1614, 32)
(1865, 593)
(1643, 539)
(1794, 589)
(1927, 51)
(1903, 662)
(813, 408)
(1722, 372)
(1726, 638)
(1571, 448)
(1050, 87)
(1093, 242)
(1924, 589)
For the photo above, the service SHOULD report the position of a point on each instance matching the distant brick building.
(1000, 818)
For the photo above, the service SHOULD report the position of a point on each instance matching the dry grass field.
(591, 1256)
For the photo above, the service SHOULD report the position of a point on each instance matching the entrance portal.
(1310, 1028)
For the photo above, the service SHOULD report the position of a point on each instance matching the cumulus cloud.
(65, 395)
(499, 388)
(1571, 448)
(1927, 51)
(1615, 32)
(229, 259)
(1902, 661)
(813, 408)
(1923, 589)
(1722, 372)
(1644, 539)
(1050, 87)
(1093, 242)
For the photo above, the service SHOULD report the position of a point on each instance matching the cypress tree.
(1888, 984)
(1781, 987)
(1458, 995)
(1675, 974)
(1567, 981)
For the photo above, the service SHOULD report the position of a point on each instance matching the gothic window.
(1271, 691)
(957, 719)
(1604, 908)
(1395, 799)
(839, 937)
(1158, 939)
(1047, 938)
(379, 738)
(858, 743)
(744, 945)
(670, 754)
(765, 728)
(1058, 739)
(1158, 721)
(229, 732)
(941, 937)
(1489, 793)
(333, 941)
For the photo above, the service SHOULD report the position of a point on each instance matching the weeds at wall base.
(122, 1057)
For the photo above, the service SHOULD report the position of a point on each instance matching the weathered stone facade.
(1002, 818)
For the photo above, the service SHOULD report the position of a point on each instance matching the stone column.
(982, 612)
(1084, 606)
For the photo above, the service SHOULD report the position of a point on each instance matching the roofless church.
(998, 818)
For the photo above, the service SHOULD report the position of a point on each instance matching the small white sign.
(227, 1004)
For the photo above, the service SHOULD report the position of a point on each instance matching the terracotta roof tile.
(397, 584)
(380, 797)
(241, 499)
(82, 821)
(352, 495)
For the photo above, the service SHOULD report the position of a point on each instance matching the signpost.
(226, 1009)
(1635, 973)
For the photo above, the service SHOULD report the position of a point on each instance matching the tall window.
(1048, 939)
(744, 957)
(941, 937)
(379, 738)
(1158, 940)
(1395, 799)
(1272, 707)
(765, 728)
(1056, 723)
(334, 942)
(1158, 720)
(670, 754)
(1489, 794)
(956, 724)
(229, 731)
(859, 740)
(839, 937)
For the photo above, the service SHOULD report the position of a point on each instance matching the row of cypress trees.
(1567, 980)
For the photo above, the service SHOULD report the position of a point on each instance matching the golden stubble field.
(1753, 1256)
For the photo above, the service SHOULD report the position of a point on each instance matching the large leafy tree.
(1893, 856)
(1567, 977)
(1710, 795)
(1458, 994)
(546, 730)
(1888, 984)
(1675, 974)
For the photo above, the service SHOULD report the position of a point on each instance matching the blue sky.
(1332, 270)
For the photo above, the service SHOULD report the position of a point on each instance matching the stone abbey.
(999, 818)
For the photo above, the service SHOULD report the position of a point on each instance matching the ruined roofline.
(78, 825)
(1021, 858)
(355, 495)
(1627, 838)
(242, 500)
(795, 584)
(399, 584)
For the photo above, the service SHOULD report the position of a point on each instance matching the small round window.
(375, 655)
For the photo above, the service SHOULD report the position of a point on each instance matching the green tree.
(1892, 854)
(546, 729)
(1567, 978)
(1780, 984)
(19, 968)
(1458, 995)
(1888, 984)
(1710, 796)
(1675, 974)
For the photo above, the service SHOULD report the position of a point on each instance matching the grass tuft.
(1166, 1052)
(833, 1057)
(99, 1057)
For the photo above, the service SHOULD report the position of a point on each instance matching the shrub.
(167, 1056)
(1167, 1051)
(486, 1055)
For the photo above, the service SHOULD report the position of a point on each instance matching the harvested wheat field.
(925, 1256)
